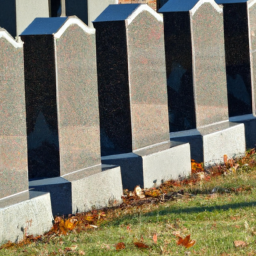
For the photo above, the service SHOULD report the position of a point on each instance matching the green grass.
(215, 222)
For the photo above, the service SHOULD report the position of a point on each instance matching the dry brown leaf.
(120, 246)
(71, 248)
(89, 218)
(62, 230)
(141, 245)
(155, 238)
(240, 243)
(186, 241)
(57, 219)
(225, 159)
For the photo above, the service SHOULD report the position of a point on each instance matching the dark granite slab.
(62, 100)
(195, 64)
(131, 77)
(13, 154)
(238, 66)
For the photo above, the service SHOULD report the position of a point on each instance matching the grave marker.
(196, 79)
(17, 204)
(239, 33)
(132, 94)
(63, 116)
(13, 157)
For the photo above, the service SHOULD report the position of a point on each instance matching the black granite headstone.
(131, 78)
(61, 97)
(239, 29)
(195, 63)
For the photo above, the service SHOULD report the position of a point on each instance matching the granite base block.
(152, 166)
(249, 122)
(93, 188)
(28, 213)
(211, 143)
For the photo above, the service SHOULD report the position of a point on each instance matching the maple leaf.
(120, 246)
(186, 241)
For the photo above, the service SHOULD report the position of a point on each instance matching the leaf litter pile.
(171, 190)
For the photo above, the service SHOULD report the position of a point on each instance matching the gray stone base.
(94, 187)
(211, 143)
(28, 213)
(151, 166)
(249, 122)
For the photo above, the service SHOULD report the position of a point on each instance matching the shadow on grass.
(188, 210)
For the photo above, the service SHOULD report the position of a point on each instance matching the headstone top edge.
(55, 26)
(232, 1)
(187, 6)
(125, 12)
(17, 43)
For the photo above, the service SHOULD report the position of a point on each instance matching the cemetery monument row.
(196, 79)
(239, 34)
(62, 114)
(16, 202)
(133, 97)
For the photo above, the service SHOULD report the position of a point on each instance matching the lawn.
(216, 208)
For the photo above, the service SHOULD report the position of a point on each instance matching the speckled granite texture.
(62, 102)
(132, 86)
(252, 22)
(13, 157)
(195, 61)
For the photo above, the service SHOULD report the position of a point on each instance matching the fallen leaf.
(246, 225)
(186, 241)
(120, 246)
(139, 192)
(240, 243)
(81, 252)
(89, 218)
(141, 245)
(58, 219)
(155, 238)
(93, 226)
(71, 248)
(225, 159)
